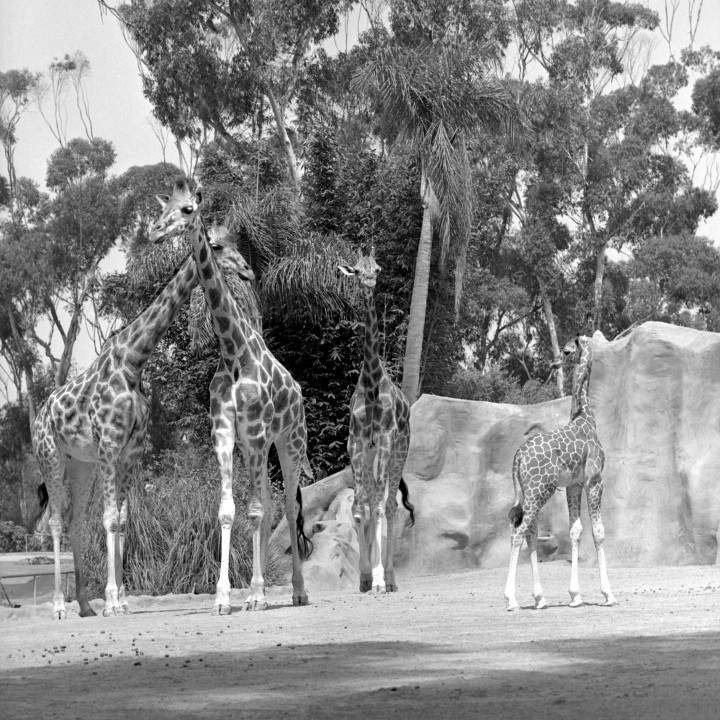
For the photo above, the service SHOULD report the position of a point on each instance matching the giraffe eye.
(187, 210)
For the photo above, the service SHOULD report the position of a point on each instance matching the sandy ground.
(441, 647)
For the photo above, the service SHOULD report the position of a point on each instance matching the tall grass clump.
(173, 533)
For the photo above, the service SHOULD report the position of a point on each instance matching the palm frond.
(265, 224)
(305, 281)
(157, 262)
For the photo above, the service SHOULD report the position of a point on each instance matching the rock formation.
(656, 397)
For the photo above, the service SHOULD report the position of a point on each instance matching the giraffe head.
(365, 269)
(180, 213)
(575, 352)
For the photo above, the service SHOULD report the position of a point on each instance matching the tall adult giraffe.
(98, 421)
(570, 457)
(377, 444)
(253, 399)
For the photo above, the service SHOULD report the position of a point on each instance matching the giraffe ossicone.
(378, 444)
(96, 423)
(570, 457)
(254, 402)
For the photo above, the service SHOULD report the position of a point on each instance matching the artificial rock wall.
(656, 397)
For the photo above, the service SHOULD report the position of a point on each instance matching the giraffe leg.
(361, 469)
(390, 515)
(131, 457)
(594, 496)
(395, 473)
(531, 539)
(111, 517)
(516, 540)
(259, 514)
(53, 473)
(574, 494)
(224, 444)
(290, 463)
(81, 477)
(378, 503)
(55, 523)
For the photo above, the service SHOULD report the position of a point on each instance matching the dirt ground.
(441, 647)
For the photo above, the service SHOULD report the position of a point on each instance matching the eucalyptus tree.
(220, 64)
(431, 79)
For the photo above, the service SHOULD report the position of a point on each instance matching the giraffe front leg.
(224, 444)
(574, 493)
(123, 607)
(594, 496)
(259, 514)
(359, 464)
(111, 523)
(378, 502)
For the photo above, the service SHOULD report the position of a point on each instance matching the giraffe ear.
(163, 200)
(347, 270)
(198, 197)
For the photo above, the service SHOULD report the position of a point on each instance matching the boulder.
(656, 397)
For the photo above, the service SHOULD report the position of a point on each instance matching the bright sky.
(34, 32)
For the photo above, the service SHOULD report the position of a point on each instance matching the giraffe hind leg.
(290, 464)
(574, 494)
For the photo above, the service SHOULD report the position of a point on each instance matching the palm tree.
(432, 95)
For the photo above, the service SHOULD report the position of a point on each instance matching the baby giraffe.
(569, 457)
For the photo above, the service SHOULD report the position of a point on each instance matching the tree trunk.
(418, 306)
(550, 319)
(27, 369)
(284, 139)
(598, 291)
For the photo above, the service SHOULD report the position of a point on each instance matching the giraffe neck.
(371, 368)
(139, 339)
(581, 383)
(233, 331)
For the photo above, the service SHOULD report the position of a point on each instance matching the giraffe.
(97, 422)
(253, 400)
(569, 457)
(377, 444)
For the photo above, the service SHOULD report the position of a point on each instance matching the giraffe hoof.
(365, 586)
(124, 609)
(109, 612)
(610, 602)
(379, 590)
(88, 613)
(60, 615)
(514, 608)
(300, 599)
(576, 602)
(220, 609)
(541, 604)
(391, 587)
(256, 605)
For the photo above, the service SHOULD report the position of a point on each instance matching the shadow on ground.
(649, 676)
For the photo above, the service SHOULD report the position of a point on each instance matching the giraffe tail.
(304, 542)
(405, 493)
(44, 502)
(516, 511)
